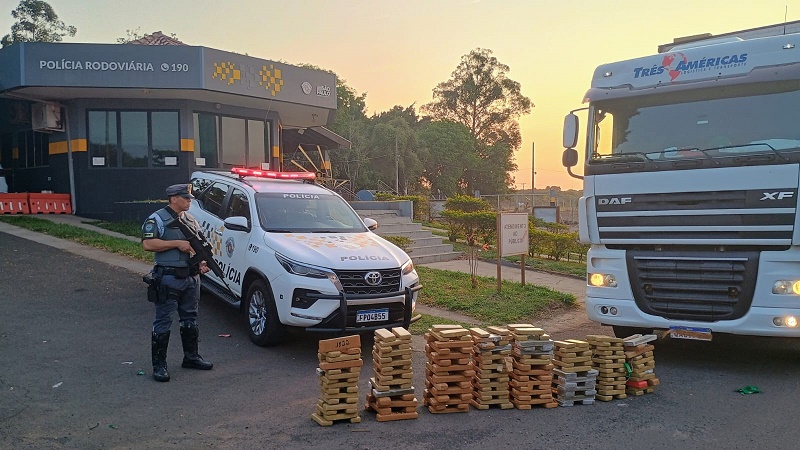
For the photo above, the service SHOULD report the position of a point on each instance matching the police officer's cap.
(183, 190)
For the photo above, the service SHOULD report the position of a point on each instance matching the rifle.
(202, 250)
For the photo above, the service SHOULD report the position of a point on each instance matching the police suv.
(295, 254)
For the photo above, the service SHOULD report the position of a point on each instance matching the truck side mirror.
(569, 158)
(570, 131)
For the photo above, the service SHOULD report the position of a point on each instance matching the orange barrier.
(50, 203)
(14, 204)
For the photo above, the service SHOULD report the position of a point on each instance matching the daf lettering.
(614, 201)
(777, 195)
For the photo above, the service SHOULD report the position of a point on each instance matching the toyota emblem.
(373, 278)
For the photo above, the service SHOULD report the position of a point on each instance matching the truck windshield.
(306, 213)
(701, 123)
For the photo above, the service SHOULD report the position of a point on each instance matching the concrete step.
(425, 247)
(409, 234)
(394, 228)
(426, 241)
(384, 219)
(376, 212)
(415, 251)
(439, 257)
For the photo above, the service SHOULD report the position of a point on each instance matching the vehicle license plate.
(372, 315)
(698, 334)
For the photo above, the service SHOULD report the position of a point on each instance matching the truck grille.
(740, 217)
(701, 286)
(355, 281)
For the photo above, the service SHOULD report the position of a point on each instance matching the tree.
(351, 122)
(481, 97)
(450, 153)
(130, 35)
(396, 158)
(135, 34)
(36, 21)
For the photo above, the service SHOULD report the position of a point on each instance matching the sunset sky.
(398, 51)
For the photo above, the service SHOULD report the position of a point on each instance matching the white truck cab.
(690, 190)
(295, 254)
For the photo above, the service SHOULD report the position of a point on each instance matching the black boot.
(191, 359)
(160, 343)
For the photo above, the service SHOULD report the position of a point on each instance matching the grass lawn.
(514, 303)
(571, 268)
(425, 322)
(86, 237)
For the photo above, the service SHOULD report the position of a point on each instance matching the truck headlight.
(786, 287)
(602, 280)
(305, 270)
(407, 268)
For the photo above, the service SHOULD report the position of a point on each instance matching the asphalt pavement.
(75, 374)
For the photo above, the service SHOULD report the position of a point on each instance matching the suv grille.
(355, 281)
(703, 286)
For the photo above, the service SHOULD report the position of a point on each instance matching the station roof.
(60, 72)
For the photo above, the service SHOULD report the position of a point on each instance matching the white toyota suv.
(295, 253)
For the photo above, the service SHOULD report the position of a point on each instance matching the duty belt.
(177, 272)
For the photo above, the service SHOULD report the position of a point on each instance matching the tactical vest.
(172, 257)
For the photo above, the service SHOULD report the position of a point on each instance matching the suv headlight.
(407, 268)
(305, 270)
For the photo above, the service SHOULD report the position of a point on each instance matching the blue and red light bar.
(244, 172)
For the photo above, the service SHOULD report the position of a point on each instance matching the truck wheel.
(265, 327)
(623, 332)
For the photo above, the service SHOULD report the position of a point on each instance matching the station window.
(225, 141)
(33, 149)
(133, 138)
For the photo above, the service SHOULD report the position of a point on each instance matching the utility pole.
(533, 174)
(533, 166)
(396, 167)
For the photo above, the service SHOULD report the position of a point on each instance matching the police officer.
(176, 281)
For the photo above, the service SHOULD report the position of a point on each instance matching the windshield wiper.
(623, 157)
(278, 230)
(759, 144)
(685, 153)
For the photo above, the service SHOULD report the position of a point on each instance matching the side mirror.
(237, 223)
(371, 224)
(570, 131)
(569, 158)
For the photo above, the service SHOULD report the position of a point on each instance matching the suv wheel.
(265, 328)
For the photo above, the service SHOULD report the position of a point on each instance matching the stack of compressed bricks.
(608, 358)
(491, 350)
(641, 362)
(392, 393)
(532, 369)
(448, 372)
(339, 370)
(574, 379)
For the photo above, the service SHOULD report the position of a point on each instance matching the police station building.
(118, 123)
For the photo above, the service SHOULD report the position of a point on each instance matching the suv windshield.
(306, 213)
(702, 123)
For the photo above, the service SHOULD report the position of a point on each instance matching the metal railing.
(525, 202)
